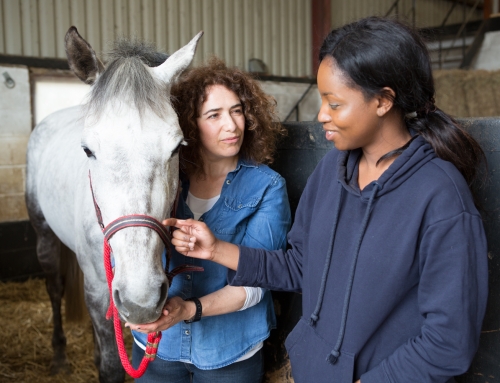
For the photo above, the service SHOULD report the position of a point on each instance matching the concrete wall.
(287, 94)
(489, 54)
(15, 128)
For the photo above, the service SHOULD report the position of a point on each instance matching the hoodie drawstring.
(314, 315)
(335, 353)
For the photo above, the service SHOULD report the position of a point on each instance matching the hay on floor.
(26, 331)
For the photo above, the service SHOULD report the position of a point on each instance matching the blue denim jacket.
(253, 210)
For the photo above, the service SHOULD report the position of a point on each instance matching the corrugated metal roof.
(277, 31)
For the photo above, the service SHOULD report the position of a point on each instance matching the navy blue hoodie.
(393, 278)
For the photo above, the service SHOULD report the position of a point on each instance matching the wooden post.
(487, 9)
(321, 26)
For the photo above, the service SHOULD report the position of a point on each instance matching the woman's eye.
(238, 111)
(334, 106)
(213, 116)
(88, 152)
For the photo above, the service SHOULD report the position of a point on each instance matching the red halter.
(134, 220)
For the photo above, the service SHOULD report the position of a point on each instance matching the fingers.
(161, 324)
(144, 328)
(170, 221)
(178, 223)
(182, 241)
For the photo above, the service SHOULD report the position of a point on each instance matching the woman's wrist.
(194, 311)
(226, 254)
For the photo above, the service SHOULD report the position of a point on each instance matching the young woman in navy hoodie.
(387, 247)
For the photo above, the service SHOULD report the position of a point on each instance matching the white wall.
(54, 93)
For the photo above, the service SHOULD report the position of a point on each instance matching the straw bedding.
(25, 337)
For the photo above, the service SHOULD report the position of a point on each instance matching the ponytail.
(450, 141)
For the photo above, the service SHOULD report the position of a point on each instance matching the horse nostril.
(119, 305)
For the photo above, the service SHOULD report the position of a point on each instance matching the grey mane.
(126, 79)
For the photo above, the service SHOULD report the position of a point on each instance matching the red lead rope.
(153, 338)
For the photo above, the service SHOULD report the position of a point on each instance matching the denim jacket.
(253, 210)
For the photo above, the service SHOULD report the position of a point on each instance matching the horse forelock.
(126, 78)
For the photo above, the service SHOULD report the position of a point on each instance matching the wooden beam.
(470, 3)
(37, 62)
(321, 26)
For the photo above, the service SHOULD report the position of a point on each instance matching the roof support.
(321, 26)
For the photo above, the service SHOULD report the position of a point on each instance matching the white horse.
(126, 137)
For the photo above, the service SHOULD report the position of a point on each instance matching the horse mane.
(125, 78)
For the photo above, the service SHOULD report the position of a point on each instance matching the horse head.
(131, 137)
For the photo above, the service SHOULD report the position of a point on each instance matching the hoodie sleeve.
(452, 298)
(277, 270)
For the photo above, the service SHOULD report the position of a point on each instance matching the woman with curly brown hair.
(213, 332)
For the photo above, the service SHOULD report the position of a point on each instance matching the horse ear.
(177, 62)
(82, 59)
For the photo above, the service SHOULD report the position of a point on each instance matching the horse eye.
(88, 152)
(176, 150)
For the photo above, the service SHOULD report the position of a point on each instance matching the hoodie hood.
(406, 164)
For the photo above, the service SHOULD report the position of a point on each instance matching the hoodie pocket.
(309, 353)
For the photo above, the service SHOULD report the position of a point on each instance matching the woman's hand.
(175, 310)
(194, 239)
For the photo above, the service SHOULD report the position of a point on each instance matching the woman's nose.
(323, 115)
(229, 123)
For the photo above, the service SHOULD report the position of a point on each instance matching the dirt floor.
(25, 334)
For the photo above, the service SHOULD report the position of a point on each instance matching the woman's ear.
(385, 101)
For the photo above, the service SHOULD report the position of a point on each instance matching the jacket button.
(188, 277)
(186, 332)
(228, 182)
(240, 206)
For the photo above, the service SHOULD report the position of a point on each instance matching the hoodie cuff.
(245, 274)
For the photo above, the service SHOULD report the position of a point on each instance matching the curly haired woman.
(213, 332)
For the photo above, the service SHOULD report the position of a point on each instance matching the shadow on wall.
(468, 93)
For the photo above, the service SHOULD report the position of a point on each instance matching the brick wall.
(15, 128)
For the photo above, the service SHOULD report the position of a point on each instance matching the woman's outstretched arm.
(194, 239)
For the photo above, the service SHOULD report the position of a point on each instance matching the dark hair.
(262, 127)
(374, 53)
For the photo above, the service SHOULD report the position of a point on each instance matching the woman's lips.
(231, 140)
(329, 134)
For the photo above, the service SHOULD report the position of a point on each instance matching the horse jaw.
(177, 62)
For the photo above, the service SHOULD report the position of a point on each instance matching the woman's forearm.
(226, 300)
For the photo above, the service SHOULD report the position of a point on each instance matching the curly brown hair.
(262, 126)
